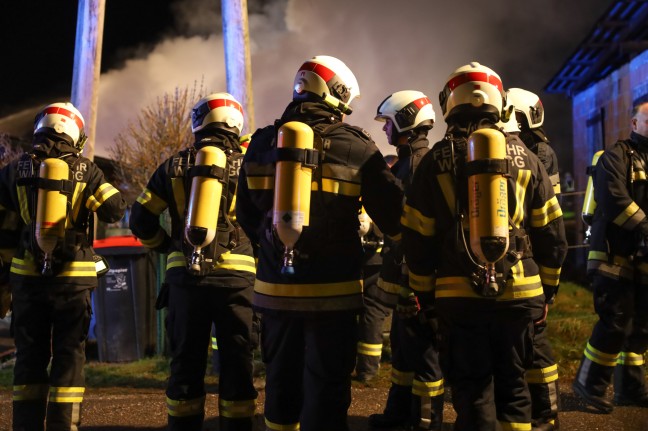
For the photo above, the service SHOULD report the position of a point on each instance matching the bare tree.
(161, 129)
(8, 151)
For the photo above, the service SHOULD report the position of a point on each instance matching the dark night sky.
(390, 46)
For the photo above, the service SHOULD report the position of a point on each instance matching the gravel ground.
(113, 409)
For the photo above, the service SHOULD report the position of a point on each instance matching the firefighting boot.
(427, 413)
(546, 425)
(630, 386)
(63, 416)
(366, 367)
(29, 415)
(591, 382)
(397, 410)
(185, 423)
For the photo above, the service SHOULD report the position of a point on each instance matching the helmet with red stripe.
(528, 107)
(408, 109)
(329, 79)
(473, 90)
(63, 119)
(218, 110)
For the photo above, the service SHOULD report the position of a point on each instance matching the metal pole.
(87, 65)
(237, 56)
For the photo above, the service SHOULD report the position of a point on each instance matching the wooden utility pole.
(237, 56)
(87, 65)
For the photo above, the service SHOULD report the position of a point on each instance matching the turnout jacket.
(439, 267)
(169, 188)
(87, 191)
(619, 225)
(537, 141)
(391, 274)
(329, 255)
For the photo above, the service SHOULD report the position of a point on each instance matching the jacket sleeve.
(145, 214)
(105, 199)
(420, 239)
(382, 195)
(611, 192)
(10, 222)
(547, 233)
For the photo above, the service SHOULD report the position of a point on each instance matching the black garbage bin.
(124, 303)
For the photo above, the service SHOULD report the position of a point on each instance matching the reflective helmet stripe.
(322, 71)
(219, 103)
(62, 111)
(475, 77)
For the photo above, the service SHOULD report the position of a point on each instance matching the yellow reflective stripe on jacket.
(389, 287)
(79, 187)
(176, 259)
(421, 283)
(448, 190)
(336, 187)
(23, 202)
(631, 359)
(30, 392)
(601, 358)
(521, 184)
(543, 216)
(320, 290)
(181, 408)
(515, 426)
(549, 276)
(413, 219)
(260, 177)
(27, 266)
(427, 389)
(619, 268)
(153, 203)
(238, 262)
(460, 287)
(177, 186)
(236, 409)
(403, 378)
(631, 216)
(369, 349)
(278, 427)
(260, 183)
(103, 193)
(66, 394)
(542, 375)
(156, 240)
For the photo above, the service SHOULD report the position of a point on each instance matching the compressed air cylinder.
(292, 189)
(487, 197)
(589, 204)
(51, 210)
(204, 204)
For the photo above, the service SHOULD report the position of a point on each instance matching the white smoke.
(389, 45)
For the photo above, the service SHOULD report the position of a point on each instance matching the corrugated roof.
(619, 35)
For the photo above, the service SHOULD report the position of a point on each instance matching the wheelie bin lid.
(119, 245)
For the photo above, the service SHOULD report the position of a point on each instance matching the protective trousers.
(48, 324)
(309, 361)
(370, 332)
(619, 339)
(484, 356)
(416, 394)
(542, 379)
(192, 311)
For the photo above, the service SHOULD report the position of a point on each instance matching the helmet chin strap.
(336, 103)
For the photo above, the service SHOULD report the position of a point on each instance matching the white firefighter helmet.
(472, 89)
(64, 119)
(528, 107)
(510, 126)
(407, 110)
(328, 78)
(220, 109)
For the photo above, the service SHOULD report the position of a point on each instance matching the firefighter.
(477, 205)
(210, 267)
(542, 377)
(416, 394)
(310, 295)
(56, 191)
(617, 266)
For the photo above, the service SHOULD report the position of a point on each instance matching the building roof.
(619, 35)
